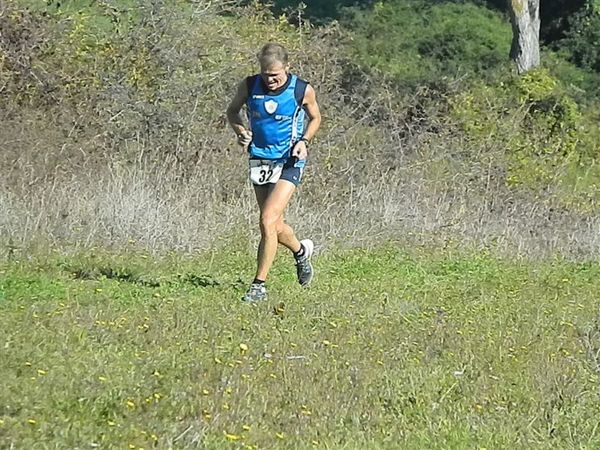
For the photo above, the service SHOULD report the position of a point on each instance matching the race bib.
(263, 171)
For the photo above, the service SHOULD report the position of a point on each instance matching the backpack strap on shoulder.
(250, 82)
(300, 90)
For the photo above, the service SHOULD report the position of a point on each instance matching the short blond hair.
(273, 52)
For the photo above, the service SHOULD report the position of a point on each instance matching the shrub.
(547, 141)
(581, 84)
(418, 42)
(318, 9)
(583, 39)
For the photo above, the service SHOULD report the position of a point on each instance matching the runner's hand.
(300, 150)
(244, 138)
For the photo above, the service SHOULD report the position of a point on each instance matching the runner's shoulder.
(250, 81)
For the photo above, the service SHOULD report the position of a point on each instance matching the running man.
(277, 104)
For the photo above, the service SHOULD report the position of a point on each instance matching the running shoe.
(256, 293)
(304, 268)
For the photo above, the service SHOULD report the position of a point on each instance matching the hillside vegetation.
(114, 128)
(455, 208)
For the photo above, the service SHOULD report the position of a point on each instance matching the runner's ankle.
(300, 253)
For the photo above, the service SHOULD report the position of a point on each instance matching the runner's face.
(274, 75)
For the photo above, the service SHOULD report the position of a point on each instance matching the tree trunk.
(525, 19)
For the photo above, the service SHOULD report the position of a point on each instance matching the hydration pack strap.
(300, 90)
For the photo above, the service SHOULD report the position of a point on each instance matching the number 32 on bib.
(264, 171)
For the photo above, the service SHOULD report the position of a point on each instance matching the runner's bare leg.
(272, 201)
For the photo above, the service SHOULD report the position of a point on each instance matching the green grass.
(388, 349)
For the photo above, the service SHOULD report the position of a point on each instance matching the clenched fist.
(244, 138)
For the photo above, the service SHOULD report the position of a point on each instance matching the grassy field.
(388, 349)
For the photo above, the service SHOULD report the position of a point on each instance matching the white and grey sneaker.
(304, 268)
(256, 293)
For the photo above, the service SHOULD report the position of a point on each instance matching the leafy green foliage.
(549, 140)
(545, 123)
(415, 41)
(317, 9)
(583, 39)
(582, 84)
(555, 17)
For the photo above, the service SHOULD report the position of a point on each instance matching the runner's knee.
(270, 221)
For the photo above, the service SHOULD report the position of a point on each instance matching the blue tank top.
(276, 118)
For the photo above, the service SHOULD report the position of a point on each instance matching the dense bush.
(583, 39)
(545, 141)
(419, 42)
(317, 9)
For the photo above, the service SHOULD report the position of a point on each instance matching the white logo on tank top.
(271, 106)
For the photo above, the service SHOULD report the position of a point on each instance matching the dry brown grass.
(150, 161)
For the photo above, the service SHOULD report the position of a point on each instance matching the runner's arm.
(234, 109)
(312, 111)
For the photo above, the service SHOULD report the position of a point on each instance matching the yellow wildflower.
(232, 437)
